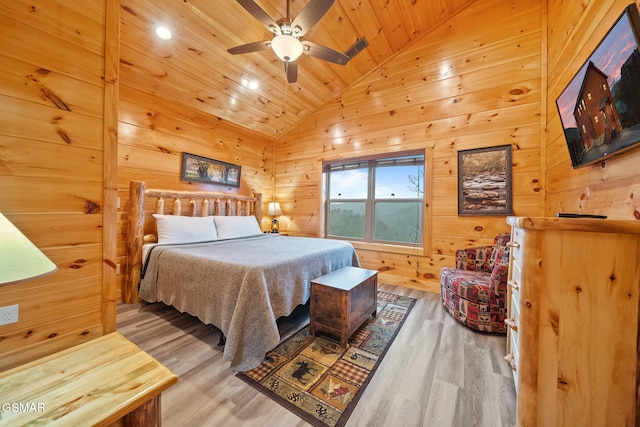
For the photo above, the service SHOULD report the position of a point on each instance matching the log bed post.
(205, 207)
(134, 241)
(257, 208)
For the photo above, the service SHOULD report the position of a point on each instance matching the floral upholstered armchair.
(475, 292)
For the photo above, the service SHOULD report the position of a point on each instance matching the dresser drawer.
(513, 319)
(513, 325)
(517, 238)
(515, 264)
(513, 356)
(514, 286)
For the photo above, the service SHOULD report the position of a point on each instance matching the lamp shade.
(286, 47)
(274, 209)
(19, 258)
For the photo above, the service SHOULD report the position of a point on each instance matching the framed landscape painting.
(484, 181)
(203, 169)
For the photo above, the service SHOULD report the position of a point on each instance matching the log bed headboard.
(142, 223)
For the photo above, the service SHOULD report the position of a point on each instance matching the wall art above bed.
(203, 169)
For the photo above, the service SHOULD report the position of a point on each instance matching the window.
(376, 200)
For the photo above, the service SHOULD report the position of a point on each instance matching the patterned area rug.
(319, 380)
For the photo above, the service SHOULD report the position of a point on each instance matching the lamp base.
(275, 226)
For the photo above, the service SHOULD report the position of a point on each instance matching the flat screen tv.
(600, 107)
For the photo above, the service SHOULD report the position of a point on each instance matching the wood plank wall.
(52, 166)
(152, 137)
(474, 82)
(610, 188)
(153, 133)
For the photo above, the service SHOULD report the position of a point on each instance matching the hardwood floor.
(436, 373)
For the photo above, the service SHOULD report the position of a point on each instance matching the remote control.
(576, 215)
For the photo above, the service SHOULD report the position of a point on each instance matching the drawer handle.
(511, 361)
(511, 323)
(514, 245)
(513, 284)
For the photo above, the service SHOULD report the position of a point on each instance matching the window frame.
(396, 247)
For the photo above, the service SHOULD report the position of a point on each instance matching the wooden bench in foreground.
(105, 381)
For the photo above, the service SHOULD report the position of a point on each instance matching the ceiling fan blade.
(291, 70)
(250, 47)
(324, 53)
(262, 16)
(360, 45)
(309, 16)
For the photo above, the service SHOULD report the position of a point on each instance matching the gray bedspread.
(242, 285)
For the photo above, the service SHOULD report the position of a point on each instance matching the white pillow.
(185, 229)
(229, 227)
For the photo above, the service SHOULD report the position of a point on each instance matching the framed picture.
(202, 169)
(484, 181)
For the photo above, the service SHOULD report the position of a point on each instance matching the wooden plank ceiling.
(194, 71)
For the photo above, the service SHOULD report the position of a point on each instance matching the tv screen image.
(600, 107)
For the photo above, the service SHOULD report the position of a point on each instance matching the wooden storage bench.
(105, 381)
(342, 300)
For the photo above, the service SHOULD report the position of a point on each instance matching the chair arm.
(474, 258)
(498, 282)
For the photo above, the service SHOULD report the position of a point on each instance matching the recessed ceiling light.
(249, 84)
(163, 32)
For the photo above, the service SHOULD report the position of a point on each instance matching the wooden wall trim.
(544, 104)
(110, 183)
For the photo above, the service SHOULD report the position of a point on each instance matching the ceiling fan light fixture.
(286, 47)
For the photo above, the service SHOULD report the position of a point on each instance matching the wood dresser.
(573, 320)
(342, 300)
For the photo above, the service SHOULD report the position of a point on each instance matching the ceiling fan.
(287, 42)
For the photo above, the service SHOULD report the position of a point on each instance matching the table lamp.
(274, 211)
(19, 258)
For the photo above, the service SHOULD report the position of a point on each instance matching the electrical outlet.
(117, 269)
(8, 314)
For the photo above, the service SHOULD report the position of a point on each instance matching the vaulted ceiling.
(194, 71)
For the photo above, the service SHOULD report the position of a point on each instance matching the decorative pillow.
(229, 227)
(185, 229)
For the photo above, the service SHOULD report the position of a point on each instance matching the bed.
(213, 262)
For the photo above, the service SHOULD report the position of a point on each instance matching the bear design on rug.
(303, 370)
